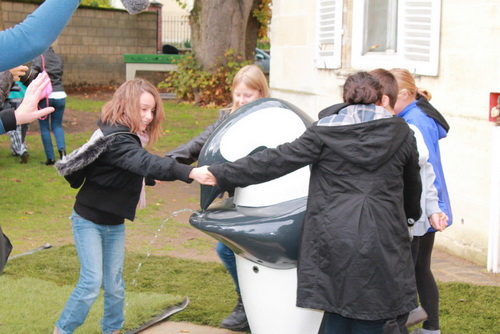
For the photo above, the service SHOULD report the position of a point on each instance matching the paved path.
(446, 268)
(450, 268)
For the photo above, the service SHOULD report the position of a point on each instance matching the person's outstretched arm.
(268, 164)
(32, 37)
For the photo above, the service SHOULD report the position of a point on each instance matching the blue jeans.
(54, 122)
(101, 251)
(229, 261)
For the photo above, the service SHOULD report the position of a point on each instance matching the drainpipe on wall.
(494, 229)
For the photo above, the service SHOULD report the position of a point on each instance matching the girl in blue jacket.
(413, 106)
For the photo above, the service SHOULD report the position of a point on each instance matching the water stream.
(153, 240)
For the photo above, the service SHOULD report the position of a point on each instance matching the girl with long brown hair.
(110, 169)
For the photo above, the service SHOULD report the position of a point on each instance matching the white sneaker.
(416, 316)
(417, 330)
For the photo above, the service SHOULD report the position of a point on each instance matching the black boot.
(49, 162)
(237, 320)
(62, 153)
(24, 157)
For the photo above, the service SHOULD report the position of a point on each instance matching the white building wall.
(294, 76)
(469, 71)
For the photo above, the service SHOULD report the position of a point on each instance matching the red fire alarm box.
(494, 107)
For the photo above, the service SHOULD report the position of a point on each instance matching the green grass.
(86, 104)
(35, 204)
(467, 308)
(163, 280)
(38, 307)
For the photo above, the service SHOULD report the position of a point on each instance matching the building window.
(380, 26)
(392, 33)
(329, 34)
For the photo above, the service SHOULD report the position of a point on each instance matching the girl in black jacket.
(110, 169)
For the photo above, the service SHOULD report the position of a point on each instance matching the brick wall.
(93, 43)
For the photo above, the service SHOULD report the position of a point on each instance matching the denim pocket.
(74, 216)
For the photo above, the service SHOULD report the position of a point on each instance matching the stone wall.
(93, 43)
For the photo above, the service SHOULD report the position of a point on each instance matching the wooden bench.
(147, 62)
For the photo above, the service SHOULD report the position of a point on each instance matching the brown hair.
(124, 108)
(362, 88)
(389, 84)
(253, 77)
(407, 82)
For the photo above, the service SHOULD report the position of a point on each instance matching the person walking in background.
(17, 137)
(354, 256)
(249, 84)
(110, 171)
(28, 111)
(11, 95)
(413, 106)
(54, 66)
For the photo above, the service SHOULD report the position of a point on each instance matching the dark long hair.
(362, 88)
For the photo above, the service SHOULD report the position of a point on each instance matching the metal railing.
(176, 31)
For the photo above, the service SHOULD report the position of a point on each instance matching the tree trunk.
(220, 25)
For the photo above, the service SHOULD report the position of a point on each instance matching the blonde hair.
(253, 77)
(124, 108)
(407, 82)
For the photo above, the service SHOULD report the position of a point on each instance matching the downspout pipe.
(494, 228)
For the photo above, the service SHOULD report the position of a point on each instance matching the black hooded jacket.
(111, 167)
(355, 257)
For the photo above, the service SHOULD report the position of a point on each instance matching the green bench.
(149, 62)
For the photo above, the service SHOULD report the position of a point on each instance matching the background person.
(28, 111)
(409, 106)
(54, 66)
(249, 84)
(11, 95)
(17, 137)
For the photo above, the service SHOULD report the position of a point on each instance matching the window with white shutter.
(329, 34)
(417, 27)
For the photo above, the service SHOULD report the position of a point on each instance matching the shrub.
(204, 87)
